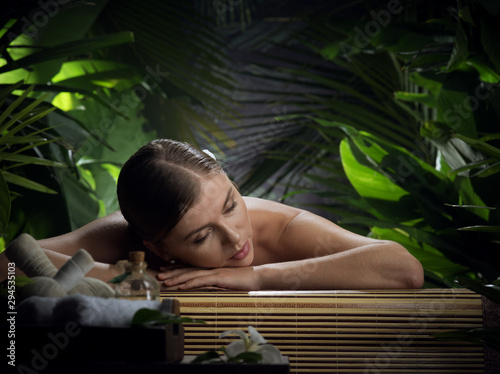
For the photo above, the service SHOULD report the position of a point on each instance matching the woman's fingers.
(171, 273)
(192, 278)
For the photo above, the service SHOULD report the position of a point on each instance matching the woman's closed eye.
(203, 238)
(232, 207)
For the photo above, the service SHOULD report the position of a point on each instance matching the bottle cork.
(137, 256)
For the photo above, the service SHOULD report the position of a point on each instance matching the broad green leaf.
(368, 182)
(435, 130)
(491, 291)
(435, 264)
(93, 68)
(5, 204)
(81, 203)
(248, 357)
(492, 6)
(482, 335)
(456, 106)
(209, 356)
(150, 317)
(467, 196)
(113, 170)
(432, 241)
(431, 82)
(486, 74)
(460, 49)
(69, 49)
(401, 38)
(423, 98)
(67, 101)
(489, 40)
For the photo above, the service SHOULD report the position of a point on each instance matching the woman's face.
(215, 232)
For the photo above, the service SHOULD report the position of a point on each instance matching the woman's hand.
(189, 278)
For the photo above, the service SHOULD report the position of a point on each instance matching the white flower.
(256, 343)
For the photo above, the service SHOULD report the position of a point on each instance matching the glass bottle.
(138, 285)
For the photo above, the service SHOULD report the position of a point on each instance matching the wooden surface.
(344, 331)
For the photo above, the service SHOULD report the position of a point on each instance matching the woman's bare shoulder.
(107, 239)
(261, 206)
(269, 219)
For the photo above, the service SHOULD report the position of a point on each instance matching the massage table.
(387, 331)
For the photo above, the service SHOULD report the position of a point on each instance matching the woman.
(199, 232)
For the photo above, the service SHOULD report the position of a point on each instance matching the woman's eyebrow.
(228, 196)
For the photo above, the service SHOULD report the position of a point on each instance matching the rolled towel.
(36, 310)
(92, 287)
(74, 269)
(96, 311)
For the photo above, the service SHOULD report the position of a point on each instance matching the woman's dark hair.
(159, 183)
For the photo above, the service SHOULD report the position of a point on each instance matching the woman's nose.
(230, 234)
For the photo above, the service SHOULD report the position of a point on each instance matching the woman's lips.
(243, 252)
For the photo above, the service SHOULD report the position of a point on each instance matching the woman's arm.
(107, 239)
(340, 260)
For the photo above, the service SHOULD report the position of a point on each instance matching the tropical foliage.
(386, 111)
(83, 85)
(408, 115)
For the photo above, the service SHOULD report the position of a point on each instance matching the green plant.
(409, 121)
(19, 139)
(253, 349)
(150, 317)
(118, 75)
(487, 335)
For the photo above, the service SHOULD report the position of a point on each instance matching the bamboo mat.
(344, 331)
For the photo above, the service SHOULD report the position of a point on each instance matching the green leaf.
(423, 98)
(22, 280)
(368, 182)
(456, 107)
(436, 265)
(486, 74)
(480, 145)
(26, 183)
(5, 204)
(4, 156)
(489, 39)
(149, 317)
(482, 335)
(488, 171)
(119, 278)
(70, 49)
(10, 109)
(460, 49)
(207, 356)
(492, 6)
(491, 291)
(247, 357)
(481, 228)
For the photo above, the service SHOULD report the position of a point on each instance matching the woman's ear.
(157, 251)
